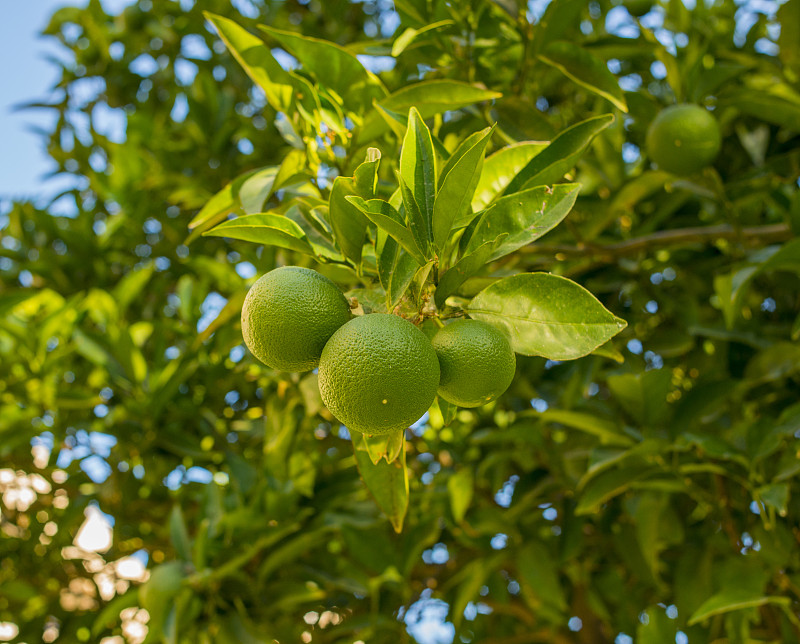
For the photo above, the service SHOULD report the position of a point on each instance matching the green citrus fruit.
(476, 361)
(683, 139)
(288, 316)
(378, 374)
(164, 583)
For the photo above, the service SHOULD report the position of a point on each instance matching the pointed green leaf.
(525, 216)
(448, 410)
(418, 163)
(265, 228)
(257, 189)
(387, 482)
(500, 168)
(405, 39)
(465, 268)
(539, 575)
(261, 185)
(429, 97)
(606, 430)
(732, 599)
(417, 220)
(454, 199)
(609, 484)
(257, 60)
(348, 222)
(465, 146)
(560, 156)
(766, 107)
(396, 269)
(385, 447)
(219, 206)
(460, 489)
(586, 69)
(333, 67)
(383, 214)
(546, 315)
(179, 535)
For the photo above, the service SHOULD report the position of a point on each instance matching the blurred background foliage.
(651, 499)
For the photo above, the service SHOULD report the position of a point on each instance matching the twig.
(676, 237)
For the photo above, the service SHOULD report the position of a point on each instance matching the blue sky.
(26, 76)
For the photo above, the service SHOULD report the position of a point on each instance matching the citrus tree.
(611, 190)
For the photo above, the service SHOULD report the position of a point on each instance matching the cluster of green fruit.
(378, 373)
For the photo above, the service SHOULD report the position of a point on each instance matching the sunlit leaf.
(546, 315)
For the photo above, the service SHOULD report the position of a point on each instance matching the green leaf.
(455, 196)
(776, 496)
(256, 190)
(179, 535)
(109, 616)
(418, 165)
(524, 216)
(561, 155)
(586, 69)
(500, 168)
(257, 60)
(643, 395)
(403, 275)
(732, 599)
(460, 489)
(130, 286)
(606, 430)
(418, 222)
(657, 629)
(766, 107)
(448, 410)
(387, 482)
(465, 268)
(250, 195)
(609, 484)
(385, 216)
(385, 447)
(429, 97)
(265, 228)
(402, 42)
(788, 17)
(348, 222)
(546, 315)
(333, 67)
(456, 155)
(219, 206)
(539, 576)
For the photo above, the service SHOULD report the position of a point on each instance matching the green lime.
(288, 316)
(683, 139)
(476, 360)
(378, 374)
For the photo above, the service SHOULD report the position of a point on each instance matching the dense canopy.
(645, 490)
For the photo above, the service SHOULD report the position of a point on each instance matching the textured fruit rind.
(378, 374)
(476, 361)
(288, 316)
(683, 139)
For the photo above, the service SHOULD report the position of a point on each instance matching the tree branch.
(754, 235)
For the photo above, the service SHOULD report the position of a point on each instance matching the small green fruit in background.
(683, 139)
(378, 374)
(476, 361)
(288, 316)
